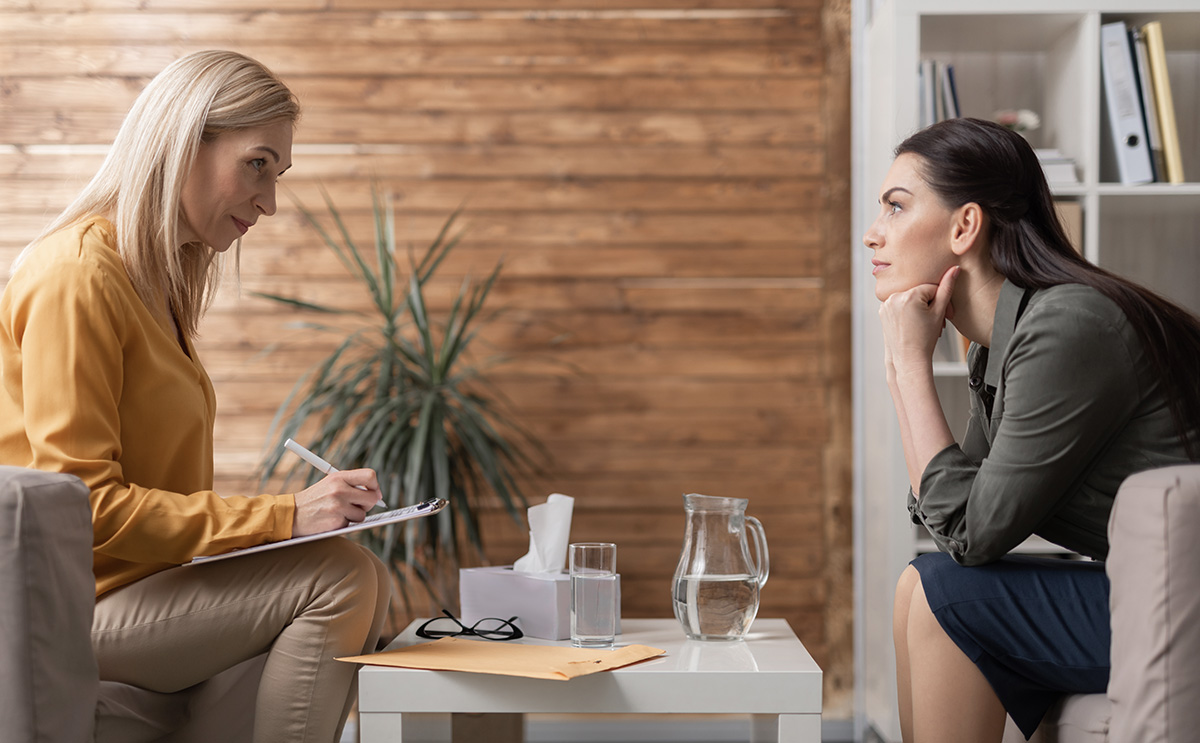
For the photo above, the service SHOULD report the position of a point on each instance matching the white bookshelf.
(1042, 55)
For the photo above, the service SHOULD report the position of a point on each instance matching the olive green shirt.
(1064, 407)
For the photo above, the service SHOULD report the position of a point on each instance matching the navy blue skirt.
(1038, 628)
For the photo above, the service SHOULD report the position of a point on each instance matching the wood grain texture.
(666, 183)
(315, 29)
(699, 58)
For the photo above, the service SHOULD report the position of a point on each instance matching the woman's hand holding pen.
(913, 320)
(339, 499)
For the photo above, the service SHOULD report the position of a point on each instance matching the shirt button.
(975, 382)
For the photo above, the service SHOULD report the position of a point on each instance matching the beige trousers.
(302, 605)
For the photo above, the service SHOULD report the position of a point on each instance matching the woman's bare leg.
(951, 701)
(909, 581)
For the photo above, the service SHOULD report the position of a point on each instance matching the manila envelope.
(508, 659)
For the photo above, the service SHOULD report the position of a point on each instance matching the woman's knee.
(910, 581)
(342, 564)
(383, 580)
(921, 625)
(382, 576)
(913, 624)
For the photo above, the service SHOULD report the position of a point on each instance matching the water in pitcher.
(716, 607)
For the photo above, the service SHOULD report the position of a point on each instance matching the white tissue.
(549, 534)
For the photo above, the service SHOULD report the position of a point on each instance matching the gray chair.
(50, 689)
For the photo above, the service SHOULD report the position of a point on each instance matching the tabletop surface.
(768, 672)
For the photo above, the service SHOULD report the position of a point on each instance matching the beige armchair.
(50, 689)
(1154, 568)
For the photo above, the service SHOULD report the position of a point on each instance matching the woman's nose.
(871, 238)
(266, 201)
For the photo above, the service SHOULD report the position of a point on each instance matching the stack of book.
(1141, 112)
(951, 346)
(939, 96)
(1058, 167)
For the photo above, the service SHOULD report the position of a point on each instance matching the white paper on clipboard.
(427, 508)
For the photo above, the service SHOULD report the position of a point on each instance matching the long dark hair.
(969, 160)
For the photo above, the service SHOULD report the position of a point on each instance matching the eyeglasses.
(490, 628)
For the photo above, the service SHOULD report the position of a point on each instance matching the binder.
(1124, 109)
(1146, 95)
(1157, 57)
(950, 91)
(939, 94)
(928, 93)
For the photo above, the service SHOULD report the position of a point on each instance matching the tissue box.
(541, 602)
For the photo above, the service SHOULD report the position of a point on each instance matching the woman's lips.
(877, 267)
(242, 226)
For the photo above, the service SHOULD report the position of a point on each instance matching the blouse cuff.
(945, 488)
(285, 516)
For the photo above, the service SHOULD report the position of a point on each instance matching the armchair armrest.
(1154, 567)
(48, 675)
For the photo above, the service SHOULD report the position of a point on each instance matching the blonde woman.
(99, 378)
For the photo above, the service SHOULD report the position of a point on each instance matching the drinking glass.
(593, 569)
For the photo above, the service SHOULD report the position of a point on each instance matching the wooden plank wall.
(666, 179)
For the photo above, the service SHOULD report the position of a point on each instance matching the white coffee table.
(770, 676)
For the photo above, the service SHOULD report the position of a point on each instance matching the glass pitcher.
(716, 587)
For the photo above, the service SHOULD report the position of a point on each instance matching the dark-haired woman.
(1072, 390)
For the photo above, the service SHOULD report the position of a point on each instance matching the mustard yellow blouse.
(95, 385)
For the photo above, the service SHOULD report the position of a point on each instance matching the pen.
(320, 464)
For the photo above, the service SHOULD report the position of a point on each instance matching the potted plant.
(401, 395)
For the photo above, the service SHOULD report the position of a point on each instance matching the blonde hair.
(140, 184)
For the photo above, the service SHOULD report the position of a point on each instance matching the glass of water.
(593, 568)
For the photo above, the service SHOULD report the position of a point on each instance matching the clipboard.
(426, 508)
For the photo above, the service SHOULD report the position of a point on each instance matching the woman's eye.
(893, 207)
(258, 164)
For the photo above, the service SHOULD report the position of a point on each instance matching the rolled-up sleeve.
(1070, 385)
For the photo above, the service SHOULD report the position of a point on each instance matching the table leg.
(413, 727)
(785, 729)
(393, 727)
(495, 728)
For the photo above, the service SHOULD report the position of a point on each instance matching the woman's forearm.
(923, 426)
(914, 476)
(912, 320)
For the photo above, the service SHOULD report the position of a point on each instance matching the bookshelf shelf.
(1156, 190)
(1044, 55)
(1068, 189)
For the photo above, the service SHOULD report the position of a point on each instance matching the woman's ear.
(967, 228)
